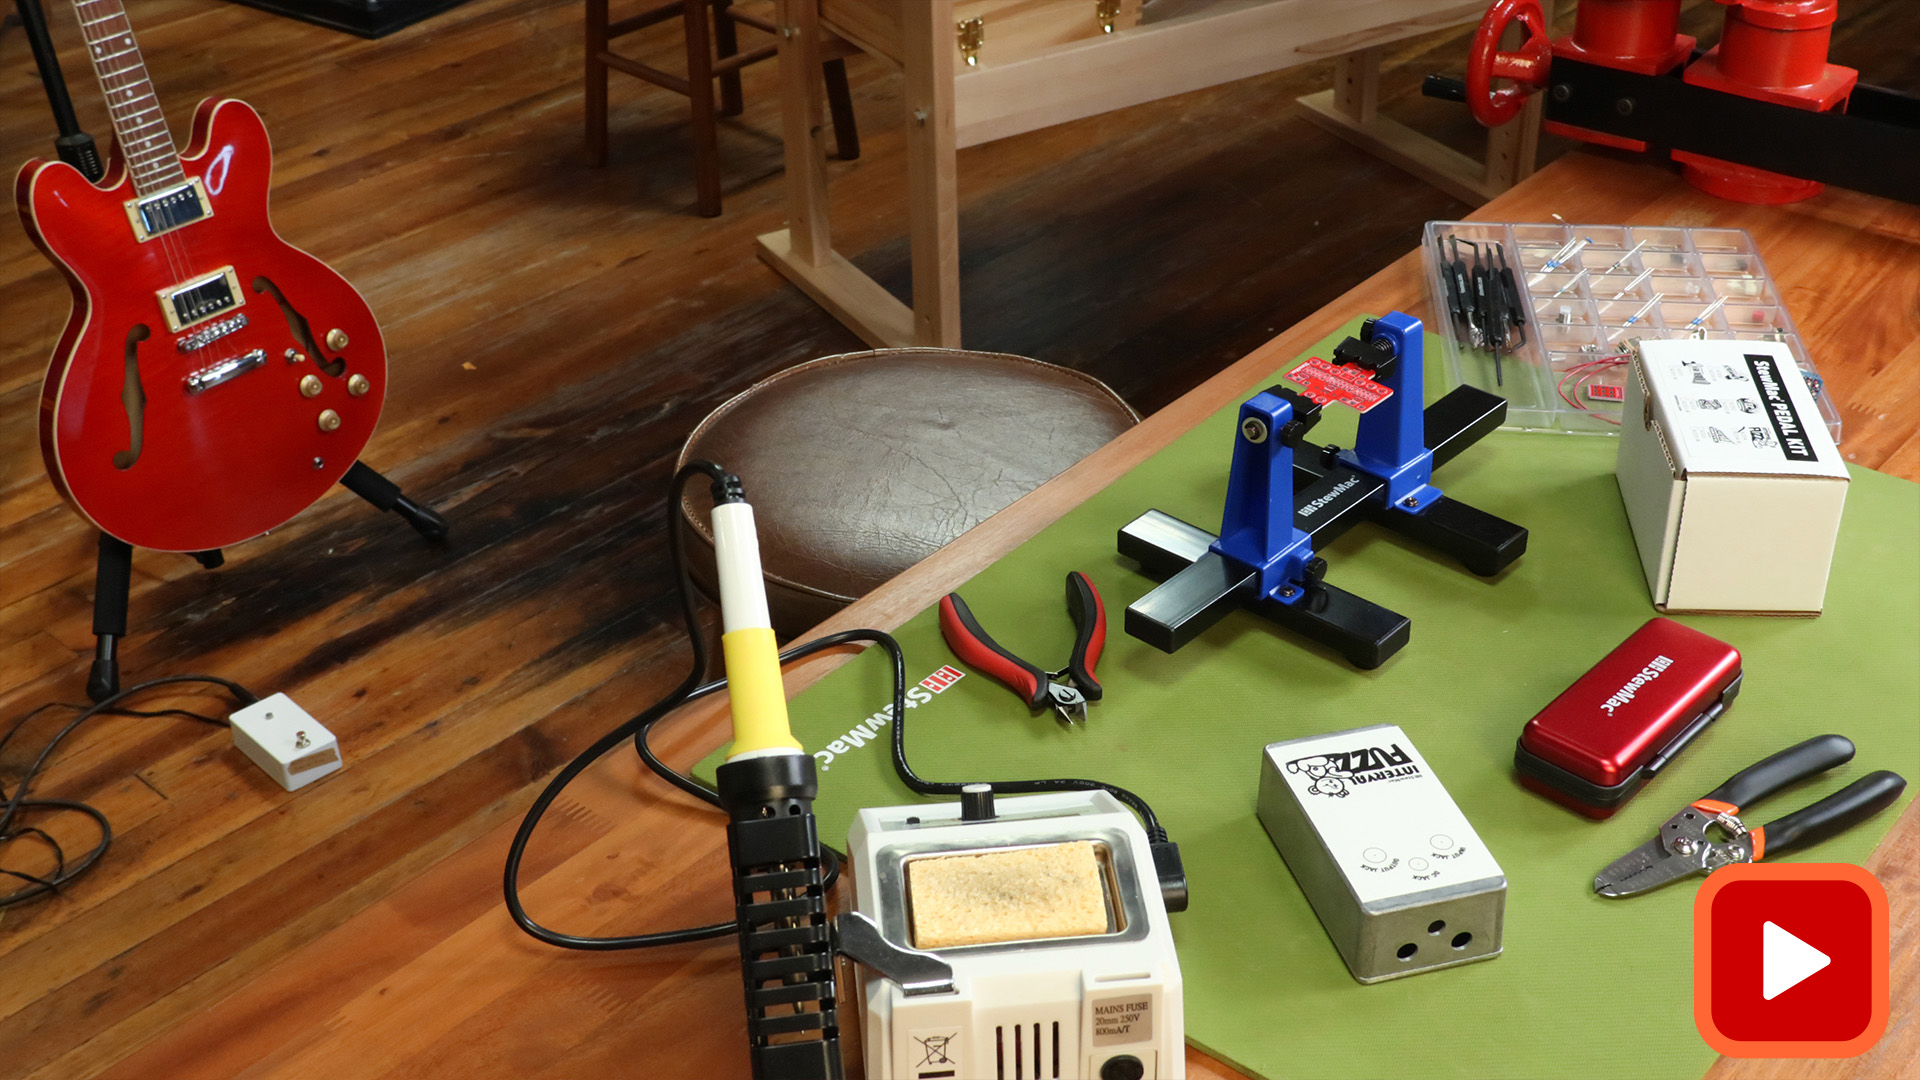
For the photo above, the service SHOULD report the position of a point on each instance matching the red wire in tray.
(1581, 374)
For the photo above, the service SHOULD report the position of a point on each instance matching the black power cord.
(13, 828)
(1166, 854)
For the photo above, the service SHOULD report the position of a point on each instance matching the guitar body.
(213, 380)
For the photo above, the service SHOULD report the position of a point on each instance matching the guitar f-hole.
(302, 333)
(134, 397)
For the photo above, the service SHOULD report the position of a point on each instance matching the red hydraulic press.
(1762, 117)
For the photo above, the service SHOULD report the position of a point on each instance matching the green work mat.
(1585, 986)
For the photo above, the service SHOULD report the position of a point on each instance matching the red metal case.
(1615, 728)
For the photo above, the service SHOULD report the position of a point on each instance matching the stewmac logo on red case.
(1790, 960)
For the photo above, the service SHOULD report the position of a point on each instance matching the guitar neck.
(139, 127)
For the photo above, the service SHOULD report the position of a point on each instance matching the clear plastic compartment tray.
(1573, 339)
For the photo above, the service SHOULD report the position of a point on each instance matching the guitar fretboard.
(139, 127)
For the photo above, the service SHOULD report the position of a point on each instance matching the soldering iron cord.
(689, 690)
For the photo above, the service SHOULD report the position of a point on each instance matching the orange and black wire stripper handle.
(1090, 638)
(1834, 814)
(975, 646)
(1768, 775)
(1810, 824)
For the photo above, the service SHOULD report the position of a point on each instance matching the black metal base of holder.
(1201, 587)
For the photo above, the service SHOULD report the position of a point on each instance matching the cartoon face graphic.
(1327, 778)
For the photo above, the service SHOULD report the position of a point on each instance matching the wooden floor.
(554, 333)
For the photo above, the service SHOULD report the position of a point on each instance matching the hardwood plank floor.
(555, 332)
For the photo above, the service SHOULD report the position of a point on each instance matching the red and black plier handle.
(1036, 685)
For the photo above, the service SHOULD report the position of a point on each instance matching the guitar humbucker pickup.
(201, 299)
(165, 211)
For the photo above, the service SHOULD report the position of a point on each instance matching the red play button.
(1790, 960)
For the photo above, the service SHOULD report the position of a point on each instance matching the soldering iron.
(767, 785)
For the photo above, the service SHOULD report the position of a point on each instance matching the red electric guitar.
(213, 380)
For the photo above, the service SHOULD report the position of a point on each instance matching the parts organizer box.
(1105, 1004)
(1717, 273)
(1399, 879)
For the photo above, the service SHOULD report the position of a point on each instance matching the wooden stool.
(859, 466)
(702, 69)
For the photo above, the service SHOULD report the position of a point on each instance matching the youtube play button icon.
(1790, 960)
(1786, 961)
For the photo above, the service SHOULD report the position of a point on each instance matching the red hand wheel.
(1526, 69)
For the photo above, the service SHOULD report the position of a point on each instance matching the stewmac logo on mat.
(868, 730)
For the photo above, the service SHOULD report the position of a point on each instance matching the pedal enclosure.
(1399, 879)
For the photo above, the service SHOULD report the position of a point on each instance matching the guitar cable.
(1166, 853)
(15, 807)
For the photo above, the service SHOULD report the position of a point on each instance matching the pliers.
(1067, 690)
(1682, 848)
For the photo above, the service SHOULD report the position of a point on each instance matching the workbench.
(433, 980)
(950, 105)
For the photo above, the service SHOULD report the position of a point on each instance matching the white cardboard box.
(1732, 484)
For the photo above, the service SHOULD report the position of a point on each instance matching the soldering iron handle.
(779, 895)
(1789, 766)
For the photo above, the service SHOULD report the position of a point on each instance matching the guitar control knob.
(310, 387)
(336, 339)
(329, 420)
(358, 385)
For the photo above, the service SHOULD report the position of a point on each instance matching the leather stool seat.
(860, 465)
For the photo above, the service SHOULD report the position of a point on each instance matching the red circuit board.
(1345, 383)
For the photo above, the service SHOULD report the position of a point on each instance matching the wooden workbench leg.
(1513, 147)
(1356, 85)
(802, 118)
(933, 206)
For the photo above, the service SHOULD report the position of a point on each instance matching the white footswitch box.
(1732, 483)
(1399, 879)
(279, 736)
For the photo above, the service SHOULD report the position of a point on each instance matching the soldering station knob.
(976, 802)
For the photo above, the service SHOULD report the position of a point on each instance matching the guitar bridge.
(233, 367)
(165, 211)
(201, 299)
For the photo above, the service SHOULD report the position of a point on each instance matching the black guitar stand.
(114, 571)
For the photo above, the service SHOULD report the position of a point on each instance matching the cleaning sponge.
(1019, 894)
